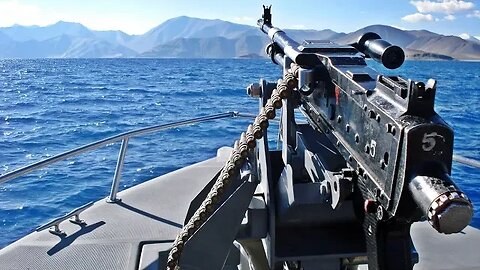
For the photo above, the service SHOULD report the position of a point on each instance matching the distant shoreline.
(186, 37)
(230, 58)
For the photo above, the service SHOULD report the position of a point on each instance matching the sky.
(448, 17)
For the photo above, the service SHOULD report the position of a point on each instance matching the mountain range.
(186, 37)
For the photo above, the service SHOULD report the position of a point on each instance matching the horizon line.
(190, 17)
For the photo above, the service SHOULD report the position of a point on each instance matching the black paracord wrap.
(231, 168)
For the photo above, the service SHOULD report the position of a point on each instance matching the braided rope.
(230, 170)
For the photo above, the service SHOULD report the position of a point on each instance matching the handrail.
(466, 161)
(120, 137)
(126, 135)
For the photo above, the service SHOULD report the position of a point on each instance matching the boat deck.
(151, 214)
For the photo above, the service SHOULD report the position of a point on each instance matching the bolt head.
(254, 90)
(380, 212)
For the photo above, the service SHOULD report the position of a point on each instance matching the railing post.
(118, 172)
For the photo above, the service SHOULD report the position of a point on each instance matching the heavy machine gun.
(372, 158)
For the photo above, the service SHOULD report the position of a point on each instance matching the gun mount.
(396, 151)
(372, 158)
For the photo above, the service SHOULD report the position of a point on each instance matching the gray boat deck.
(153, 213)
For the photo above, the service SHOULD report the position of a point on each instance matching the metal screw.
(382, 164)
(391, 129)
(254, 90)
(379, 212)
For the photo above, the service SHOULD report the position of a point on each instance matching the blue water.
(53, 105)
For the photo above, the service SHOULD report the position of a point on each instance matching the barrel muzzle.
(445, 206)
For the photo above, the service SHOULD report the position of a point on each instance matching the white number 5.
(429, 141)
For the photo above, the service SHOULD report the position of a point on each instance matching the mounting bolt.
(391, 129)
(382, 164)
(380, 212)
(254, 90)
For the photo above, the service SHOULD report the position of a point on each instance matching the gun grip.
(389, 245)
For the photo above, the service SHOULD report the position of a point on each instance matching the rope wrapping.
(231, 168)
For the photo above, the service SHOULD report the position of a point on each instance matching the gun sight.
(371, 44)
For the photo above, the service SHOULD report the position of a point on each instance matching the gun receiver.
(374, 150)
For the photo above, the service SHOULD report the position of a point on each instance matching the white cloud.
(444, 6)
(418, 17)
(464, 36)
(449, 17)
(477, 37)
(476, 13)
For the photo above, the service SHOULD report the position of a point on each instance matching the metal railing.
(124, 138)
(467, 161)
(55, 224)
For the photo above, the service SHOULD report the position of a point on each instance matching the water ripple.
(53, 105)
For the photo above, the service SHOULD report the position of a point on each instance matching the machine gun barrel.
(283, 44)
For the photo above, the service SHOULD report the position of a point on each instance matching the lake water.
(53, 105)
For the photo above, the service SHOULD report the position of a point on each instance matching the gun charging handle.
(371, 44)
(446, 207)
